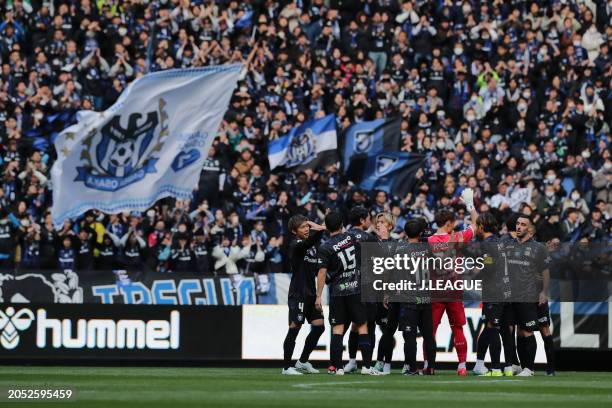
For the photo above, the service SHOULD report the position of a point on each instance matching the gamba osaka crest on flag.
(393, 172)
(310, 145)
(367, 138)
(149, 145)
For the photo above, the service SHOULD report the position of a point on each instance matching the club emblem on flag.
(302, 148)
(124, 150)
(363, 141)
(384, 164)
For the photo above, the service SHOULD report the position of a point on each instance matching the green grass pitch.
(248, 387)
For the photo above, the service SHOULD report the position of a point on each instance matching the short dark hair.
(414, 228)
(526, 216)
(444, 216)
(295, 222)
(356, 214)
(511, 221)
(333, 221)
(488, 222)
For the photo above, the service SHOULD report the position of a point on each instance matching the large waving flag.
(393, 172)
(149, 145)
(366, 138)
(312, 144)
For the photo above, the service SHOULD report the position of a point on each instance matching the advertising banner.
(106, 287)
(119, 332)
(575, 326)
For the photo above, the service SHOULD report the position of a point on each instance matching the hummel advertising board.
(87, 331)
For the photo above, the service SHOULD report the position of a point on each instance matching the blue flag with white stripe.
(309, 145)
(372, 137)
(392, 172)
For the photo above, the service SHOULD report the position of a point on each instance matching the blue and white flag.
(372, 137)
(150, 144)
(393, 172)
(311, 145)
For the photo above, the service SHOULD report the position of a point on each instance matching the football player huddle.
(330, 255)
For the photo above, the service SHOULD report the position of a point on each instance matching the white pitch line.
(311, 385)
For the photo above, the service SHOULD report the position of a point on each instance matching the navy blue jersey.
(341, 256)
(304, 261)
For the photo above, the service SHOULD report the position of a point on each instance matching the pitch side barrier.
(249, 335)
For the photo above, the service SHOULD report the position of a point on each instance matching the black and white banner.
(119, 332)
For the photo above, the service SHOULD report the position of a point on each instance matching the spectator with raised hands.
(506, 93)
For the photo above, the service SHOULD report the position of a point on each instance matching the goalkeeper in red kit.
(445, 221)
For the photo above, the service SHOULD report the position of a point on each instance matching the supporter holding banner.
(150, 144)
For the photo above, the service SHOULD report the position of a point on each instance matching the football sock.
(479, 364)
(509, 347)
(335, 350)
(483, 344)
(520, 348)
(494, 348)
(353, 344)
(531, 347)
(460, 343)
(311, 342)
(388, 345)
(515, 359)
(289, 345)
(366, 349)
(429, 340)
(549, 347)
(382, 347)
(372, 334)
(410, 348)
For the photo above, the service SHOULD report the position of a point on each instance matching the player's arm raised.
(467, 196)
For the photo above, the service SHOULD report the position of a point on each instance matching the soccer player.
(417, 312)
(304, 267)
(445, 220)
(386, 314)
(493, 289)
(528, 263)
(544, 326)
(512, 365)
(359, 219)
(340, 260)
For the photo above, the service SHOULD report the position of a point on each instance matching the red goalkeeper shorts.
(454, 310)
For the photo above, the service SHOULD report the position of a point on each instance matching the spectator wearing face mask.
(574, 200)
(570, 226)
(549, 200)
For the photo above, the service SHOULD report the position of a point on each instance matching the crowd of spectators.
(509, 97)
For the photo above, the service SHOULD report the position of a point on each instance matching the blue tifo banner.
(139, 288)
(392, 172)
(372, 137)
(312, 144)
(149, 145)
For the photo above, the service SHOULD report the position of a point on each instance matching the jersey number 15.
(347, 257)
